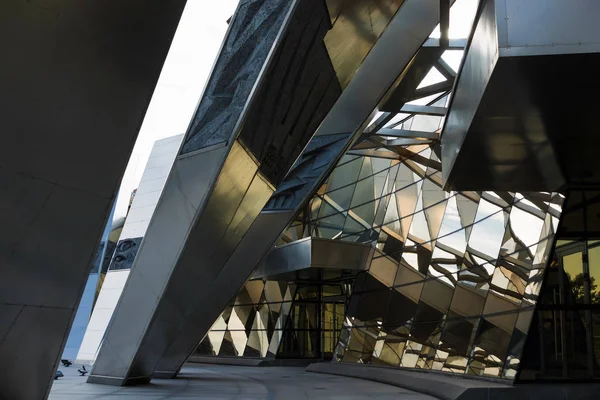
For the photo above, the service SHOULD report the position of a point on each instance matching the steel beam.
(453, 44)
(508, 114)
(424, 110)
(404, 133)
(445, 69)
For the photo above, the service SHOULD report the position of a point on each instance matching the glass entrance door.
(315, 321)
(567, 321)
(334, 310)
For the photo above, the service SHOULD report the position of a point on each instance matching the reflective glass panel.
(573, 278)
(594, 267)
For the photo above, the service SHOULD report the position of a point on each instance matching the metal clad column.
(402, 38)
(508, 114)
(142, 207)
(270, 88)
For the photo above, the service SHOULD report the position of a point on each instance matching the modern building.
(449, 254)
(359, 187)
(451, 282)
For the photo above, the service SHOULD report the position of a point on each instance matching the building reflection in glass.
(564, 342)
(456, 275)
(455, 278)
(252, 326)
(304, 321)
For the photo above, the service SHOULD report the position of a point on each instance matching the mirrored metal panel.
(252, 326)
(452, 284)
(563, 342)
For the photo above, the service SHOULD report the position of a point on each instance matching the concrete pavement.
(234, 382)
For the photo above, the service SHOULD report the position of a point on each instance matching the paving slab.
(198, 381)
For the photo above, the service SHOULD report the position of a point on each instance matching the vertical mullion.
(587, 295)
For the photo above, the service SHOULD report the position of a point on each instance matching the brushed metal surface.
(31, 345)
(185, 192)
(193, 283)
(480, 60)
(286, 258)
(513, 114)
(356, 27)
(340, 255)
(404, 88)
(390, 56)
(211, 303)
(310, 253)
(181, 316)
(92, 75)
(545, 27)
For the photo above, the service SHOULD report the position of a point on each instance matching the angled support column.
(142, 207)
(76, 79)
(271, 86)
(508, 114)
(388, 58)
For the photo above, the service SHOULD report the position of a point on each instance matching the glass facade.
(564, 342)
(489, 284)
(252, 326)
(456, 275)
(304, 323)
(315, 321)
(454, 282)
